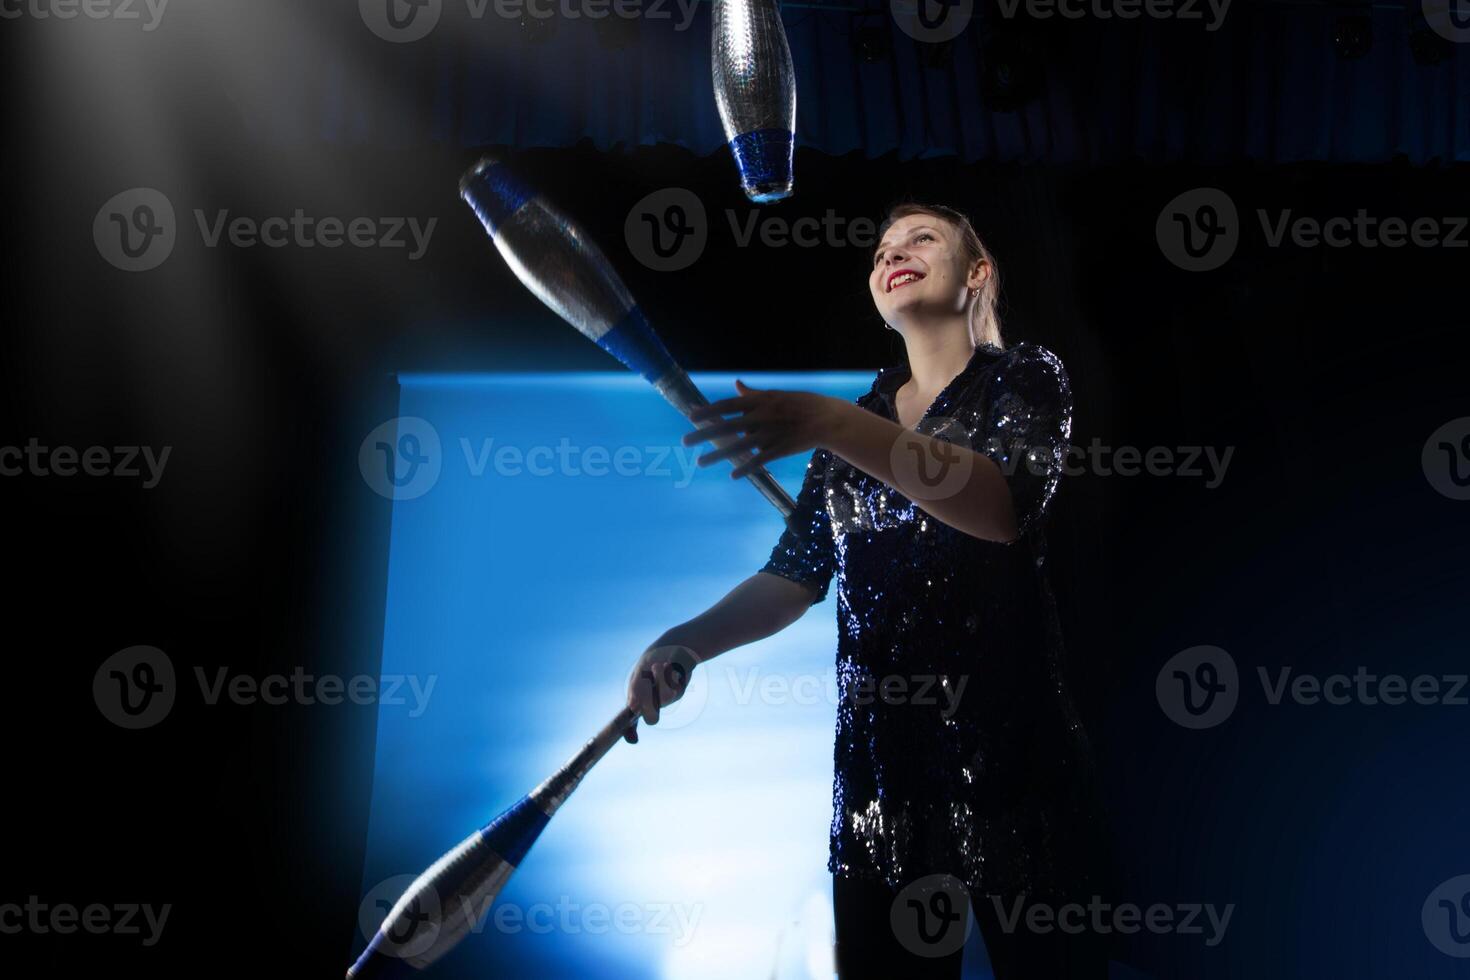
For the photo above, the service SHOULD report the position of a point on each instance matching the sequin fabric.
(957, 748)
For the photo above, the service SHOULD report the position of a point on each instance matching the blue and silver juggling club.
(568, 272)
(452, 898)
(755, 91)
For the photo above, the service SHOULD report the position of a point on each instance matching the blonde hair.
(982, 313)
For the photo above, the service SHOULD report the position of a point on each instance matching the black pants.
(875, 941)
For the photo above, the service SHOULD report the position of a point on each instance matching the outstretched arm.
(758, 607)
(970, 494)
(972, 497)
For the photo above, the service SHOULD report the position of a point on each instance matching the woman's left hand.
(771, 424)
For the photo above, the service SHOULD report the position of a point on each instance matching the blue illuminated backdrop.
(565, 530)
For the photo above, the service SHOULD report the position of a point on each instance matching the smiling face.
(920, 270)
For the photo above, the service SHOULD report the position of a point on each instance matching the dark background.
(1325, 547)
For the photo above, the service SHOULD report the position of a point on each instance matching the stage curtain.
(1266, 86)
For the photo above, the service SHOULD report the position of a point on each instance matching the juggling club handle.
(681, 392)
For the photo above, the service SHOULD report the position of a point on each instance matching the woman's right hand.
(659, 678)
